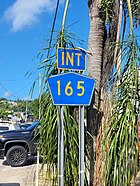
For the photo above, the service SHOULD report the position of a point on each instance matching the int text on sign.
(73, 59)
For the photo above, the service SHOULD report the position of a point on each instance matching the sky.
(24, 26)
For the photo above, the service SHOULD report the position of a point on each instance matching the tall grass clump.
(120, 143)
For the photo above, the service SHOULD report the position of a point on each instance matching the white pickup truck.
(6, 125)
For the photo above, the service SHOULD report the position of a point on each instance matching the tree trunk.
(109, 49)
(95, 46)
(99, 66)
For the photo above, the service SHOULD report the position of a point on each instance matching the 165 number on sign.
(69, 89)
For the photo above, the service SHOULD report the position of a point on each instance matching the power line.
(17, 79)
(8, 91)
(23, 88)
(11, 94)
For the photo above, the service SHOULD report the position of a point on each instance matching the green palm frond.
(48, 143)
(120, 144)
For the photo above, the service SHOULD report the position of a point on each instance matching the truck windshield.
(31, 127)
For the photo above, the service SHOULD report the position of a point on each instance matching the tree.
(3, 114)
(5, 107)
(97, 67)
(34, 108)
(106, 49)
(20, 106)
(105, 21)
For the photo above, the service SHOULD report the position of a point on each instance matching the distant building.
(14, 103)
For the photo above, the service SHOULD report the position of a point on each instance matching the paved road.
(17, 176)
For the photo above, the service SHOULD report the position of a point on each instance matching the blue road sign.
(73, 59)
(71, 89)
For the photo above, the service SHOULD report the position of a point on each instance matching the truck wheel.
(17, 156)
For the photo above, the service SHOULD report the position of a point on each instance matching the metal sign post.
(60, 147)
(81, 146)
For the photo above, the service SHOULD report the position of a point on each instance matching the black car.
(17, 145)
